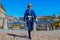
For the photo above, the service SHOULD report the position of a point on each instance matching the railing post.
(34, 26)
(47, 28)
(53, 27)
(5, 23)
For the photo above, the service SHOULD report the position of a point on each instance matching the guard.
(29, 18)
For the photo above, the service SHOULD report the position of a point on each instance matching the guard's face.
(29, 7)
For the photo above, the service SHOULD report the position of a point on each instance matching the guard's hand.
(24, 22)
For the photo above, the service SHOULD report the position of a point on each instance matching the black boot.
(29, 33)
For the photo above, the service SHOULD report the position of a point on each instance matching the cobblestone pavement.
(23, 35)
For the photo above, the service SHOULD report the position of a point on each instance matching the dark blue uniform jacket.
(29, 18)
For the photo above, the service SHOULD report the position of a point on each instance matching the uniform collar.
(29, 9)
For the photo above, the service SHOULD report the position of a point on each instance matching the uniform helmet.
(29, 4)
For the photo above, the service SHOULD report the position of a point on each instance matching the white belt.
(29, 16)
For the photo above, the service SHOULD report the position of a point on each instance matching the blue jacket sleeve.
(25, 17)
(34, 15)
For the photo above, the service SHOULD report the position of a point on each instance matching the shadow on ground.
(14, 35)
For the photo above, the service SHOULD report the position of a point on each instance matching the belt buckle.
(29, 17)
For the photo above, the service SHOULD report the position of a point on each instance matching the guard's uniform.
(29, 18)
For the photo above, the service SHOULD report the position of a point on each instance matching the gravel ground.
(23, 35)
